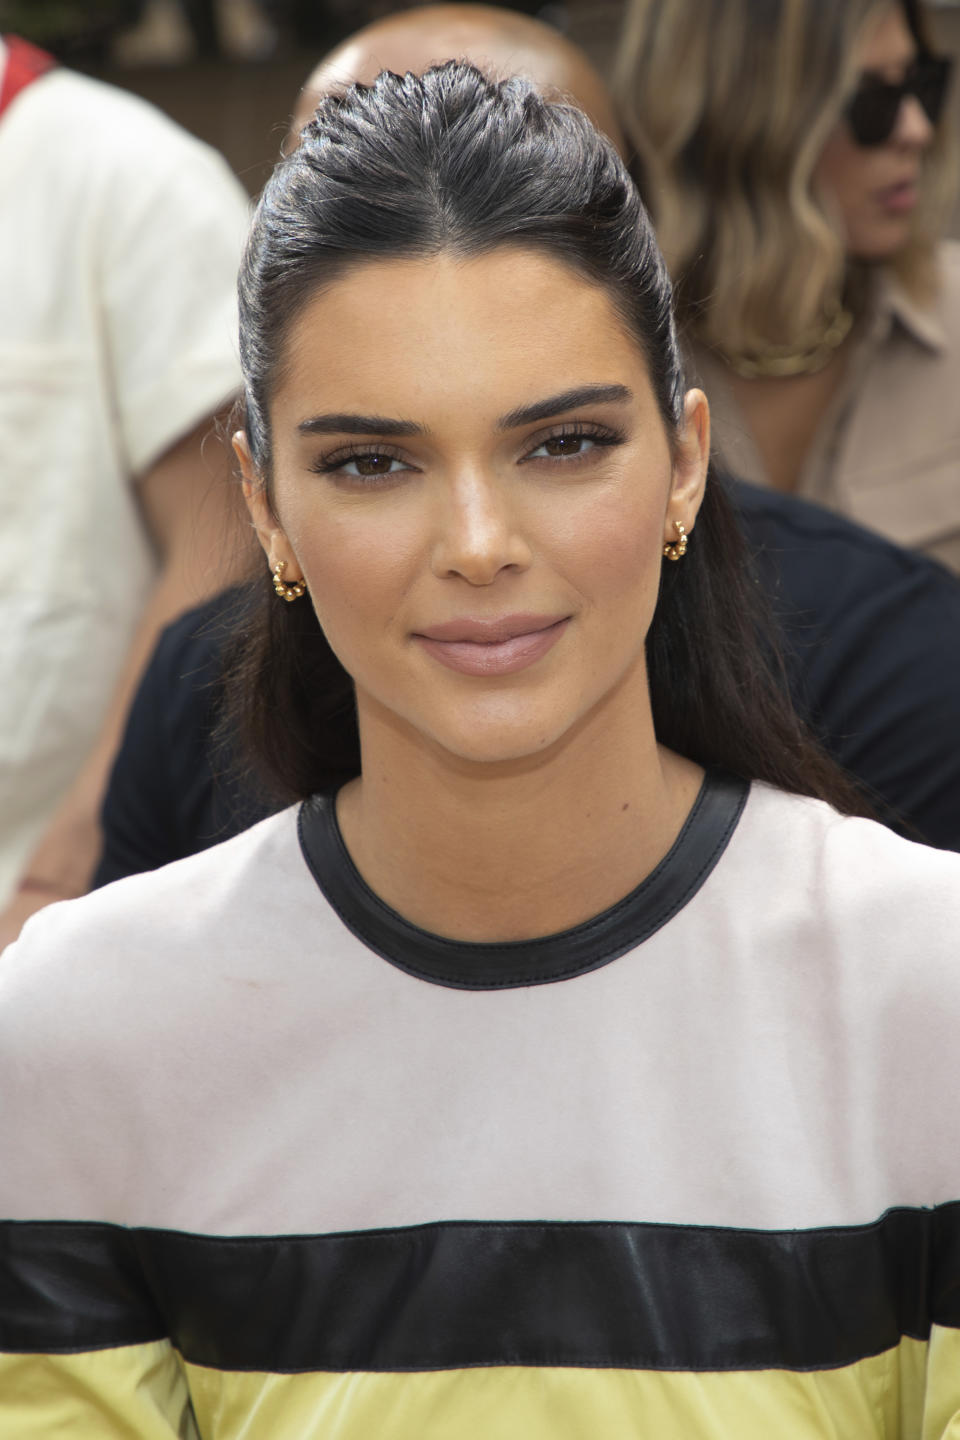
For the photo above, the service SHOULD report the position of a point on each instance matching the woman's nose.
(913, 127)
(478, 536)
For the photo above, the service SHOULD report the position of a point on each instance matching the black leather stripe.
(663, 1297)
(67, 1288)
(471, 966)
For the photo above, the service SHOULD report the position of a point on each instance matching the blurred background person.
(796, 160)
(500, 41)
(171, 31)
(120, 236)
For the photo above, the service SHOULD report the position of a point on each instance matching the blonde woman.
(795, 153)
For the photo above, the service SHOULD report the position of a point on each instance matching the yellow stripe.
(137, 1392)
(875, 1399)
(941, 1416)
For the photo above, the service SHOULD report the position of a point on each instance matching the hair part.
(450, 161)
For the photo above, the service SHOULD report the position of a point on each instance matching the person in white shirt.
(120, 236)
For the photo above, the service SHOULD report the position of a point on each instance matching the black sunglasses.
(872, 112)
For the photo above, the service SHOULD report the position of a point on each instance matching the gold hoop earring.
(677, 552)
(294, 590)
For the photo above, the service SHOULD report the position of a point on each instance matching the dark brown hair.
(412, 166)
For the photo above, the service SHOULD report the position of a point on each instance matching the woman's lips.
(497, 647)
(899, 198)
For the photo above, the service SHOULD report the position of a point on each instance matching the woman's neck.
(509, 851)
(784, 414)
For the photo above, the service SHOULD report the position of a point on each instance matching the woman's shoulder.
(808, 823)
(853, 875)
(867, 919)
(142, 931)
(120, 1007)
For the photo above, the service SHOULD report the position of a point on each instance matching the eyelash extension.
(328, 464)
(588, 430)
(603, 435)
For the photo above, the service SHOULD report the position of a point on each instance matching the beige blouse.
(887, 451)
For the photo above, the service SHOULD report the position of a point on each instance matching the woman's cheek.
(618, 546)
(357, 569)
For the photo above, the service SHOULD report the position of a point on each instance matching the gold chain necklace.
(781, 360)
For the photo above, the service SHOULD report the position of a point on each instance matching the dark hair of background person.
(453, 162)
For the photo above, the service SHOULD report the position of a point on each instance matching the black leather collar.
(468, 965)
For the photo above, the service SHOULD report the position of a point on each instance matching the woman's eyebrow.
(566, 400)
(340, 424)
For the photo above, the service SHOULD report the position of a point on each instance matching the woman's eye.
(560, 445)
(367, 465)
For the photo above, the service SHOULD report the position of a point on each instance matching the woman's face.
(472, 475)
(875, 189)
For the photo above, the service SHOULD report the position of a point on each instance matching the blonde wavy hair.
(728, 104)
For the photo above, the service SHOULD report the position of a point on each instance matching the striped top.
(277, 1165)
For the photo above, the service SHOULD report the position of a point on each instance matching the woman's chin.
(882, 242)
(497, 750)
(499, 736)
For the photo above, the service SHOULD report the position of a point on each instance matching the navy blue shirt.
(872, 641)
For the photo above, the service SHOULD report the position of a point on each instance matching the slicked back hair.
(452, 162)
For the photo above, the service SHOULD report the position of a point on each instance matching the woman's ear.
(691, 461)
(272, 538)
(254, 490)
